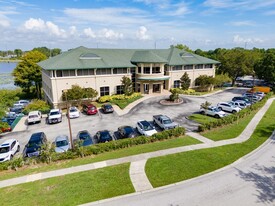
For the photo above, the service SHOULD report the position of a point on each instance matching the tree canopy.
(28, 74)
(127, 85)
(185, 81)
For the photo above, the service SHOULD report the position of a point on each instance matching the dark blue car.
(85, 138)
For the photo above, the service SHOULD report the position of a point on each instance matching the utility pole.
(68, 117)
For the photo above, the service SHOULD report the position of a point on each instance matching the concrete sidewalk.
(137, 174)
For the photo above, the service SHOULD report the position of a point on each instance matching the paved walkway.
(137, 172)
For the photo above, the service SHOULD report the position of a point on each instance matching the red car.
(6, 129)
(89, 109)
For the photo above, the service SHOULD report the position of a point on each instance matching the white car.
(239, 103)
(34, 116)
(8, 149)
(225, 106)
(74, 112)
(213, 111)
(145, 128)
(54, 116)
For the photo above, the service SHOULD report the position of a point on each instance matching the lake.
(6, 79)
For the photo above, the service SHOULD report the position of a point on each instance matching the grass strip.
(202, 118)
(139, 149)
(73, 189)
(229, 131)
(182, 166)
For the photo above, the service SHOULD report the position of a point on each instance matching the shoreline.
(10, 60)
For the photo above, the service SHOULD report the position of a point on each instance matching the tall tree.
(185, 81)
(265, 68)
(127, 85)
(44, 50)
(237, 62)
(18, 52)
(27, 73)
(183, 47)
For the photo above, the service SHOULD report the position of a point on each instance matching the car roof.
(7, 142)
(144, 122)
(33, 112)
(54, 110)
(36, 136)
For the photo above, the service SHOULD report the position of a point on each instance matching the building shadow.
(264, 181)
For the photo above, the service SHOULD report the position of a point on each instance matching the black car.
(107, 108)
(104, 136)
(85, 138)
(16, 110)
(127, 132)
(247, 100)
(34, 144)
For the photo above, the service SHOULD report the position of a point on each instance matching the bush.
(37, 104)
(107, 98)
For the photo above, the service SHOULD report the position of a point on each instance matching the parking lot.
(143, 111)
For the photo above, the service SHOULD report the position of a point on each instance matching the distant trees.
(183, 47)
(185, 81)
(265, 67)
(204, 82)
(27, 73)
(48, 52)
(219, 79)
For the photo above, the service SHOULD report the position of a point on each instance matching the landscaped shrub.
(37, 104)
(234, 117)
(108, 98)
(48, 155)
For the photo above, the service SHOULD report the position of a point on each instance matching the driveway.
(144, 110)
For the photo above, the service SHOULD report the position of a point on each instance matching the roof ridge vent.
(89, 56)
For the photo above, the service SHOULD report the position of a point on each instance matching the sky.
(148, 24)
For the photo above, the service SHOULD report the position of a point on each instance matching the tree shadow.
(264, 180)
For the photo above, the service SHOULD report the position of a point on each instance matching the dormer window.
(89, 56)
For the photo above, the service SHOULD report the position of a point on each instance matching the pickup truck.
(164, 122)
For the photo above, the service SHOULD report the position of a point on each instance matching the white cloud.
(73, 30)
(240, 40)
(44, 27)
(142, 33)
(243, 23)
(4, 21)
(110, 34)
(89, 33)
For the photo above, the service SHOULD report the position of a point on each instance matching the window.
(120, 71)
(119, 89)
(177, 84)
(65, 73)
(199, 66)
(156, 70)
(104, 91)
(139, 70)
(176, 68)
(146, 70)
(103, 71)
(188, 67)
(208, 66)
(85, 72)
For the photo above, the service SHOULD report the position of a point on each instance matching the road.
(247, 182)
(145, 110)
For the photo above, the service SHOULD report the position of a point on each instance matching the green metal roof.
(151, 78)
(85, 58)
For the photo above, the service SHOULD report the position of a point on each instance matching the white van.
(34, 117)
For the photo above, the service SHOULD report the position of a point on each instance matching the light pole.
(68, 117)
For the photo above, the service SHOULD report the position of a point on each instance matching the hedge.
(234, 117)
(108, 98)
(93, 149)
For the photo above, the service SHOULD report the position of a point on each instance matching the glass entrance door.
(156, 88)
(146, 88)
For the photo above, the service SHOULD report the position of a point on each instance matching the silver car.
(62, 144)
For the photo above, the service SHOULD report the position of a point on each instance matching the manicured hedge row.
(108, 98)
(234, 117)
(49, 156)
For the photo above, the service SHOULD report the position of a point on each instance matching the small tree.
(204, 81)
(174, 96)
(75, 93)
(127, 85)
(205, 105)
(220, 79)
(185, 81)
(90, 93)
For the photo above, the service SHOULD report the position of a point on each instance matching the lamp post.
(68, 117)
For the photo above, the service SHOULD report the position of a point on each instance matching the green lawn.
(177, 142)
(186, 165)
(202, 118)
(73, 189)
(229, 131)
(125, 102)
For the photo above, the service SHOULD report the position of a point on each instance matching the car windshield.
(105, 135)
(62, 143)
(73, 110)
(4, 150)
(34, 144)
(108, 106)
(147, 127)
(167, 121)
(216, 110)
(33, 116)
(92, 108)
(84, 136)
(54, 113)
(128, 130)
